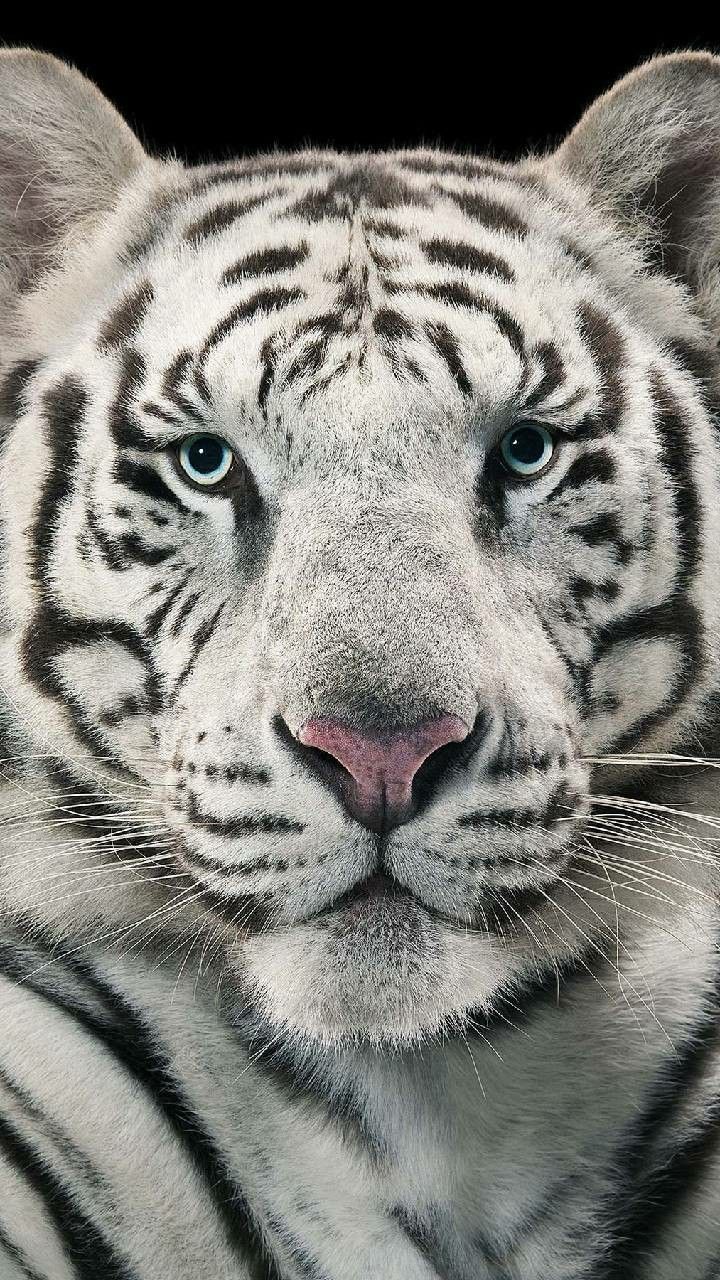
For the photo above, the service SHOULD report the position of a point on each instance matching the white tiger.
(359, 659)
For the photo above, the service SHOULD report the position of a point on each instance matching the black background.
(206, 86)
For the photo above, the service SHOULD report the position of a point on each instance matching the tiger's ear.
(64, 155)
(648, 153)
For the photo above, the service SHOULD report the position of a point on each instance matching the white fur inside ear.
(65, 153)
(648, 153)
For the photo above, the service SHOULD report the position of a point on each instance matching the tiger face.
(360, 506)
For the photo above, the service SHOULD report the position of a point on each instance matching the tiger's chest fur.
(188, 1143)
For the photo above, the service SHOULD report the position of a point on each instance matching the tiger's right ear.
(65, 153)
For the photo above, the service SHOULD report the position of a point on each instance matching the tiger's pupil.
(527, 446)
(205, 455)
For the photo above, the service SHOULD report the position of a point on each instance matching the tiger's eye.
(206, 459)
(527, 449)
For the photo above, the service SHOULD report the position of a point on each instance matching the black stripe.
(602, 529)
(182, 366)
(466, 257)
(553, 374)
(108, 546)
(126, 318)
(447, 347)
(268, 363)
(197, 644)
(589, 468)
(381, 227)
(266, 262)
(64, 408)
(247, 911)
(262, 303)
(492, 213)
(243, 824)
(18, 1257)
(139, 552)
(124, 426)
(424, 1239)
(87, 1248)
(676, 618)
(642, 1200)
(674, 435)
(130, 1042)
(372, 184)
(393, 329)
(14, 386)
(459, 295)
(607, 349)
(222, 216)
(183, 612)
(146, 481)
(300, 1077)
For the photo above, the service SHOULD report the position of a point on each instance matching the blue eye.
(205, 459)
(527, 449)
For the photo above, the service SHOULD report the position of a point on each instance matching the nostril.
(374, 772)
(442, 761)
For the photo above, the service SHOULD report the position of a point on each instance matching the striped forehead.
(261, 285)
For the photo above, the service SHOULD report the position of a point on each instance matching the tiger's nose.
(373, 772)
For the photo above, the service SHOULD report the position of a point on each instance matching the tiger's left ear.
(65, 154)
(648, 153)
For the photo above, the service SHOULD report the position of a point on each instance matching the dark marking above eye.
(607, 350)
(264, 302)
(266, 262)
(552, 375)
(446, 345)
(124, 321)
(459, 295)
(466, 257)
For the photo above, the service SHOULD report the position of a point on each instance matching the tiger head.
(355, 509)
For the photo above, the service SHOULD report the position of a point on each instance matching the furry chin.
(378, 970)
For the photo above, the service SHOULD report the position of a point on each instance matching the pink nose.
(377, 769)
